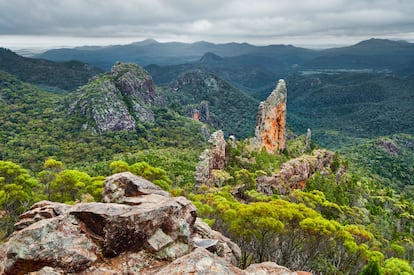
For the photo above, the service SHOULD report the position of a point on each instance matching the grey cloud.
(238, 20)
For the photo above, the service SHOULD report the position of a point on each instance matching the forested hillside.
(343, 108)
(302, 206)
(54, 76)
(37, 125)
(213, 101)
(340, 222)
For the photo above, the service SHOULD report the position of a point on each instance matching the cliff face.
(271, 121)
(116, 100)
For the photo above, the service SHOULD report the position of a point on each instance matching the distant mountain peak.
(202, 42)
(210, 57)
(380, 42)
(6, 51)
(146, 42)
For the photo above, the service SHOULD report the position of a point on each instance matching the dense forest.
(355, 216)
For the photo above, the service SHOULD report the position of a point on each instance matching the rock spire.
(211, 159)
(271, 121)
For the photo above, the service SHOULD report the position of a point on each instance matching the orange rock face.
(196, 116)
(271, 121)
(274, 137)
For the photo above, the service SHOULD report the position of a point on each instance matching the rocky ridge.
(53, 75)
(294, 173)
(116, 100)
(141, 229)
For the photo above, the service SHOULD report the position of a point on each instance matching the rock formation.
(126, 187)
(200, 112)
(271, 121)
(140, 229)
(213, 101)
(200, 261)
(294, 173)
(211, 159)
(215, 242)
(308, 140)
(116, 100)
(388, 145)
(271, 268)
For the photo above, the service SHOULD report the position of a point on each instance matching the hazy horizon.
(38, 44)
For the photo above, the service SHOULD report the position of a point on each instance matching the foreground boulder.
(215, 242)
(271, 268)
(149, 233)
(200, 261)
(56, 242)
(156, 224)
(126, 187)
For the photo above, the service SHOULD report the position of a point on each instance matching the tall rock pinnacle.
(271, 121)
(211, 159)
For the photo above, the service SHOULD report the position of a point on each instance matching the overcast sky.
(51, 23)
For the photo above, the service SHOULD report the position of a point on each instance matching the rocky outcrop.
(271, 268)
(211, 159)
(294, 173)
(139, 230)
(200, 261)
(388, 145)
(40, 211)
(74, 238)
(116, 100)
(200, 112)
(270, 129)
(308, 140)
(127, 188)
(215, 242)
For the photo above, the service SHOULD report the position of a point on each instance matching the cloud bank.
(260, 22)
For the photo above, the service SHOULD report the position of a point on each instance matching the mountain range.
(373, 55)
